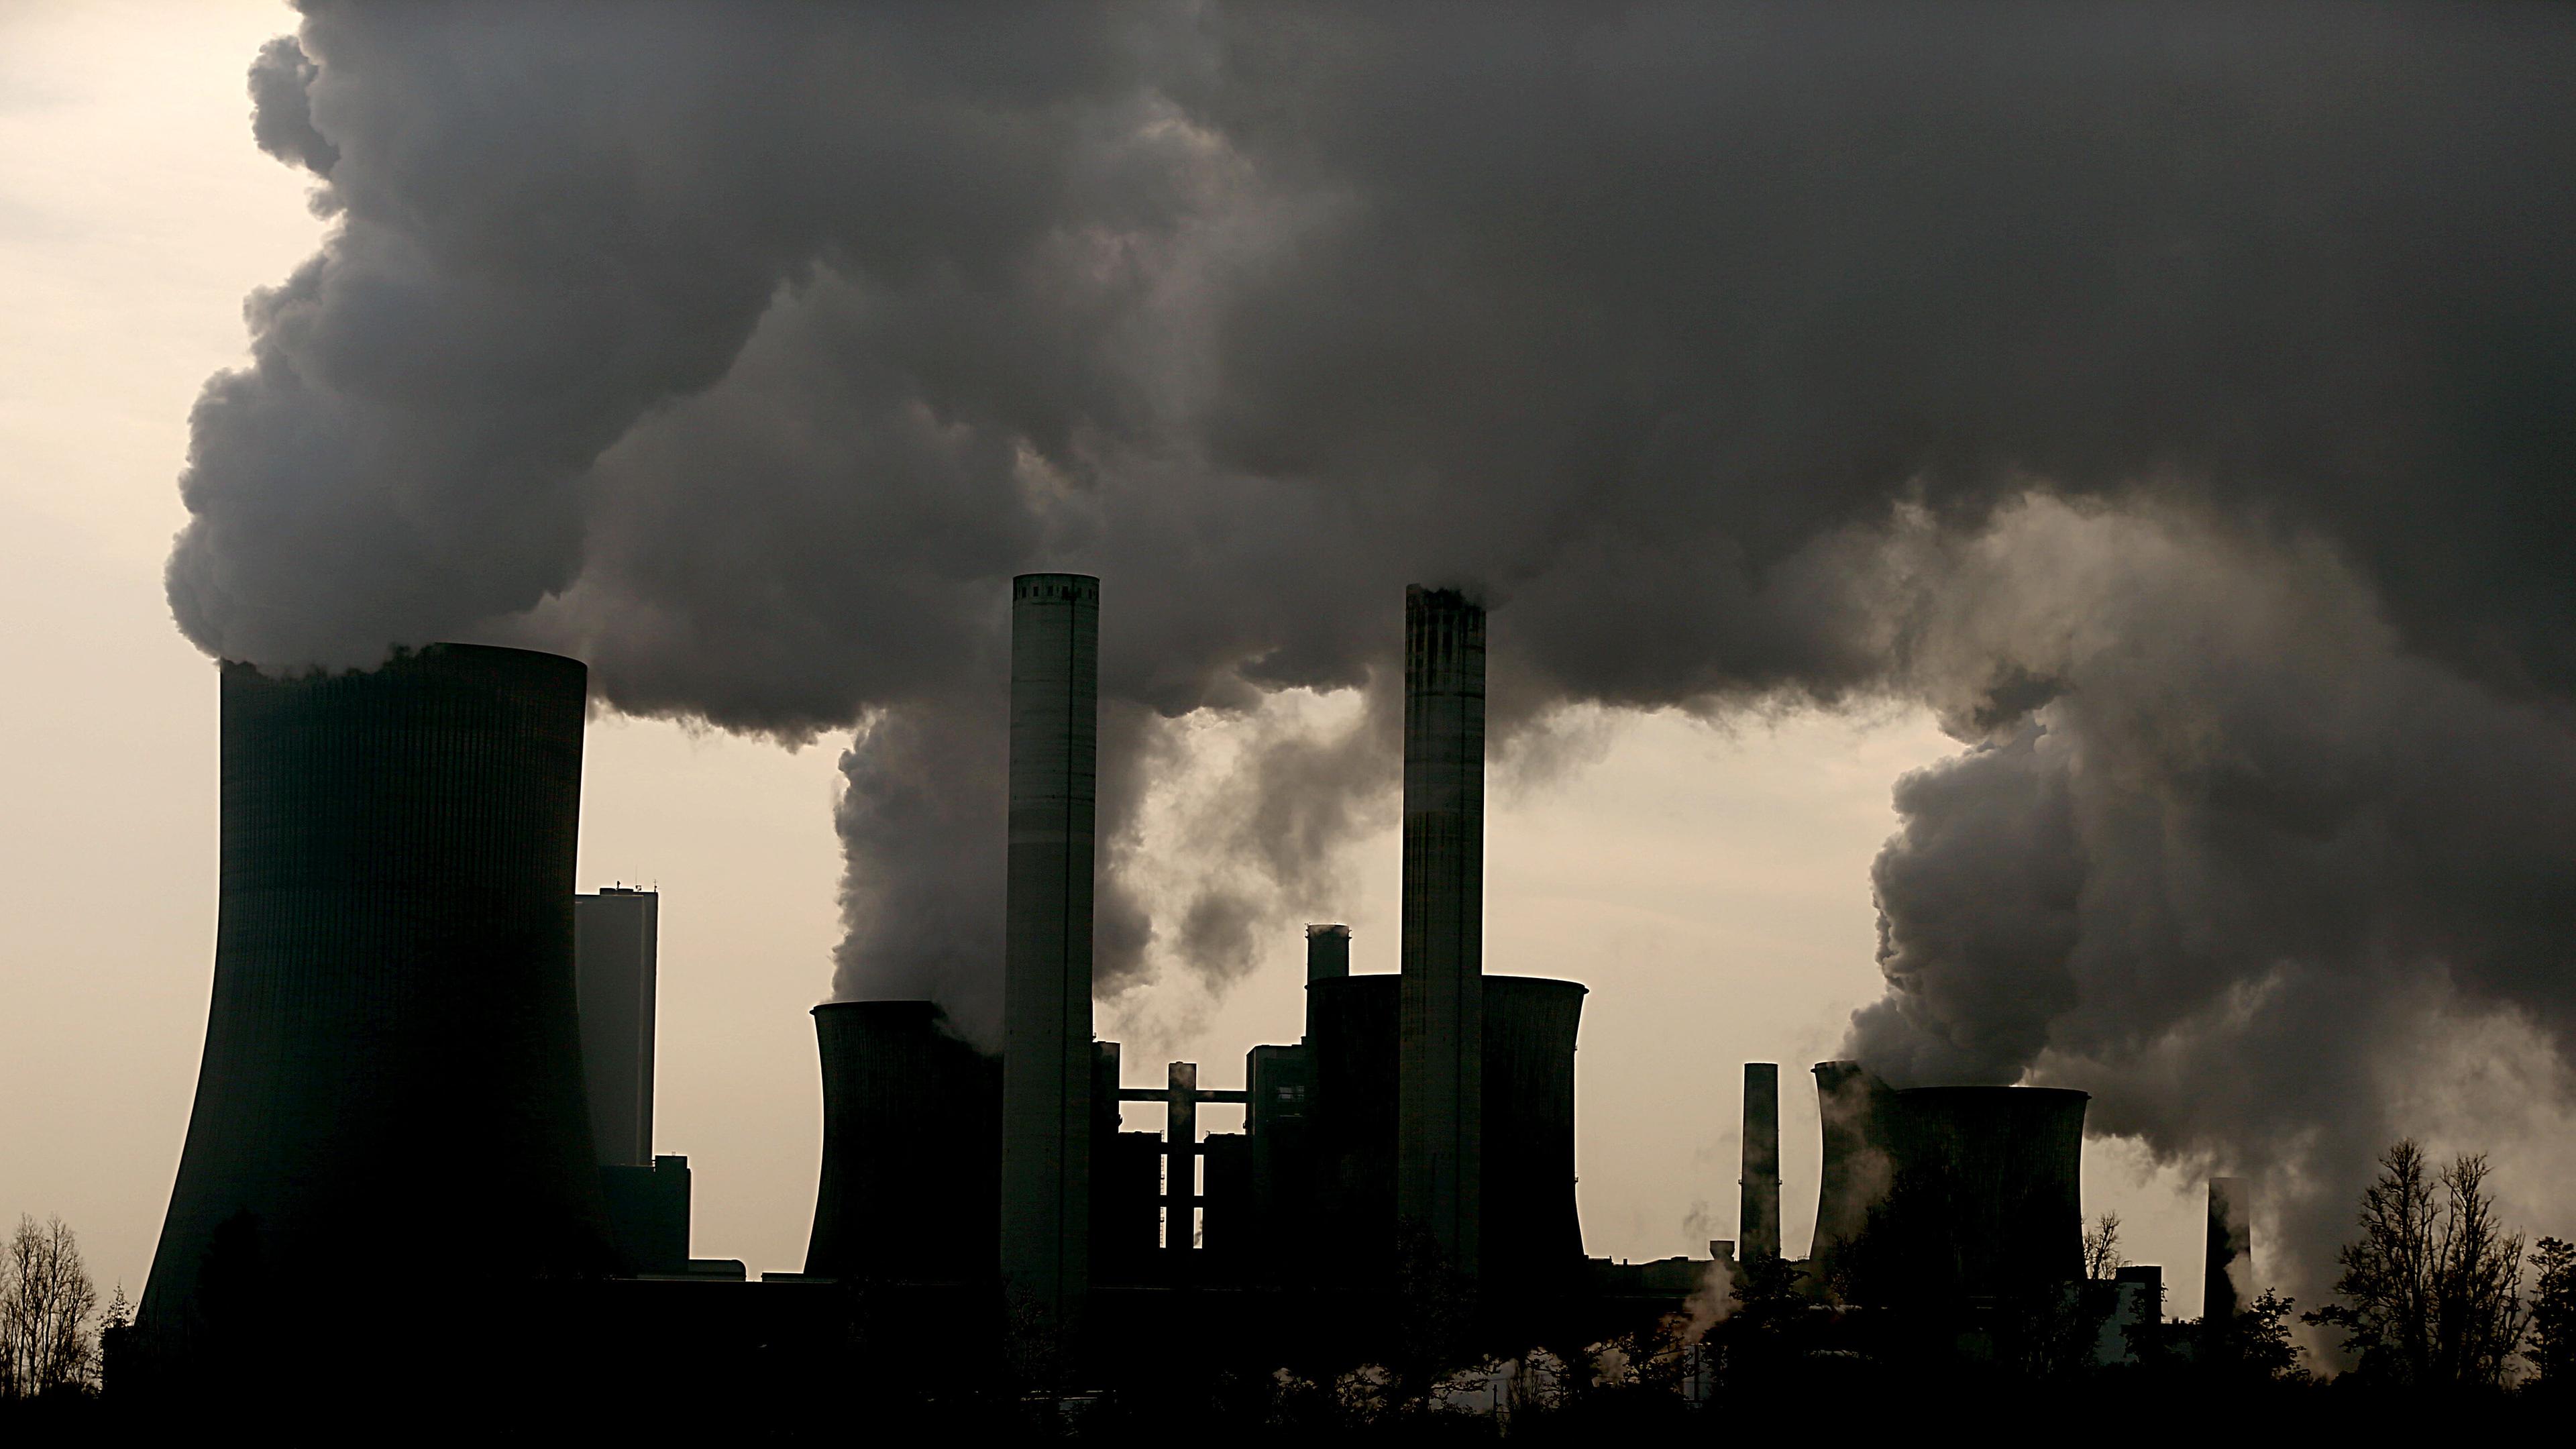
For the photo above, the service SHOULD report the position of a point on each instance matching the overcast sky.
(1689, 832)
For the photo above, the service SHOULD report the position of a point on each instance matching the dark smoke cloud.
(747, 350)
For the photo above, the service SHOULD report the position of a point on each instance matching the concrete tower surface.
(1757, 1223)
(909, 1187)
(1046, 981)
(1440, 1079)
(614, 935)
(393, 992)
(2227, 1269)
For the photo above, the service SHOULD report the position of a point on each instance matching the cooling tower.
(1047, 1122)
(1439, 1147)
(911, 1179)
(2227, 1268)
(1757, 1221)
(390, 1106)
(1853, 1108)
(1531, 1231)
(1990, 1187)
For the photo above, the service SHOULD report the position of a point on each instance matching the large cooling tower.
(1439, 1144)
(1047, 1064)
(911, 1172)
(1529, 1226)
(1532, 1233)
(391, 1102)
(1989, 1185)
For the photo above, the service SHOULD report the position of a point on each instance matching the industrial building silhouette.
(402, 970)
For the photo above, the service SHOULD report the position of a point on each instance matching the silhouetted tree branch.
(46, 1301)
(2429, 1289)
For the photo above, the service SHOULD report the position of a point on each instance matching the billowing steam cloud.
(2177, 399)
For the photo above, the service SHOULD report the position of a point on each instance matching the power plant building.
(615, 937)
(402, 965)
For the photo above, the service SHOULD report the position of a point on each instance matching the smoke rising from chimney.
(2173, 399)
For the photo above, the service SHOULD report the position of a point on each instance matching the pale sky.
(1710, 886)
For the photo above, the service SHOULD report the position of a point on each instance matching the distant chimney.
(1328, 958)
(1328, 953)
(1180, 1156)
(1757, 1224)
(1440, 1077)
(2227, 1273)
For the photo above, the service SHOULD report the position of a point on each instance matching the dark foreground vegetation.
(2438, 1310)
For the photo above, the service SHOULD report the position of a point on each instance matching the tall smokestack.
(2227, 1270)
(1046, 986)
(1757, 1222)
(1440, 1088)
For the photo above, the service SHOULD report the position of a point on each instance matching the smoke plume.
(2176, 399)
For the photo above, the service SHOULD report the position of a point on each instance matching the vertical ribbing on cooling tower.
(1757, 1221)
(1439, 1145)
(391, 1093)
(1046, 991)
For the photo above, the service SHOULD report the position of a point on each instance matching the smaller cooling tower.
(911, 1185)
(1989, 1186)
(1854, 1108)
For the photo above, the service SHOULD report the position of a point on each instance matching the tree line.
(50, 1323)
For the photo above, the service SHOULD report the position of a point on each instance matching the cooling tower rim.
(1344, 983)
(400, 655)
(887, 1006)
(1986, 1092)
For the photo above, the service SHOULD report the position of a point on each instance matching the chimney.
(1757, 1222)
(2227, 1273)
(1181, 1156)
(1440, 1086)
(1046, 983)
(1328, 958)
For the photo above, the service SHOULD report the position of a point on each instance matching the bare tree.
(2102, 1260)
(46, 1301)
(2430, 1288)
